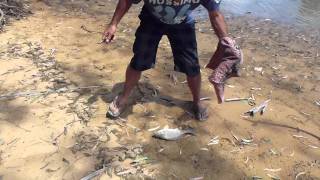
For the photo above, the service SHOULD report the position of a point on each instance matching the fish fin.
(250, 113)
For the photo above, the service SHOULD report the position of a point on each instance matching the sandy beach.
(57, 80)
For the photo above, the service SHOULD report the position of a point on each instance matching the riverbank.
(65, 135)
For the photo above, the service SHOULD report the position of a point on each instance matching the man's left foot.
(219, 89)
(200, 112)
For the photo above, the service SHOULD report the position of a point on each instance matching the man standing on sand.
(171, 18)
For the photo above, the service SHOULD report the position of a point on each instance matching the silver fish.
(172, 134)
(261, 108)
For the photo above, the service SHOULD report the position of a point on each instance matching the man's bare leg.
(195, 87)
(132, 79)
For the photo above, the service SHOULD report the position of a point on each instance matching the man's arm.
(122, 8)
(218, 24)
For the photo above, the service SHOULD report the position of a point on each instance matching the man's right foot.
(200, 112)
(116, 107)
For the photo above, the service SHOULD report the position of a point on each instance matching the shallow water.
(299, 12)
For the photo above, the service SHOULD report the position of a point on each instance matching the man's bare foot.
(219, 89)
(200, 112)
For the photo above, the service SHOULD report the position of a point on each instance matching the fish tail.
(189, 131)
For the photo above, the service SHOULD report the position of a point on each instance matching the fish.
(261, 108)
(172, 134)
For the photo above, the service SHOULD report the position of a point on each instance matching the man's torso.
(176, 11)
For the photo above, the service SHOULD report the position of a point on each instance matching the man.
(171, 18)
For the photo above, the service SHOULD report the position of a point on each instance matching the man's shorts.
(183, 42)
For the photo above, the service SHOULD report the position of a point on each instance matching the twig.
(129, 171)
(234, 136)
(1, 16)
(64, 132)
(205, 99)
(196, 178)
(273, 177)
(127, 124)
(94, 174)
(83, 27)
(247, 160)
(8, 6)
(13, 141)
(45, 166)
(273, 170)
(300, 174)
(153, 129)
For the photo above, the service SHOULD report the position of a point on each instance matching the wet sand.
(65, 135)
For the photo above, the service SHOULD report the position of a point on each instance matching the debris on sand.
(261, 108)
(123, 122)
(259, 70)
(256, 177)
(313, 147)
(256, 89)
(274, 177)
(173, 77)
(94, 174)
(300, 174)
(317, 103)
(272, 170)
(204, 149)
(246, 141)
(172, 134)
(129, 171)
(1, 17)
(197, 178)
(304, 140)
(299, 136)
(83, 27)
(214, 141)
(114, 160)
(12, 9)
(242, 141)
(153, 129)
(250, 100)
(205, 99)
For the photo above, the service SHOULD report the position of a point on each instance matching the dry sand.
(64, 134)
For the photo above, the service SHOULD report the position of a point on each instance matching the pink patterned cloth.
(225, 64)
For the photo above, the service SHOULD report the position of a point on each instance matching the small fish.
(172, 134)
(261, 108)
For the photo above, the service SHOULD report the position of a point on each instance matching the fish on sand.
(172, 134)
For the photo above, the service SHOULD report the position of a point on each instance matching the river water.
(299, 12)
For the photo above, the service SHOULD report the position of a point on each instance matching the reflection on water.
(304, 12)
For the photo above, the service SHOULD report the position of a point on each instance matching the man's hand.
(108, 34)
(122, 7)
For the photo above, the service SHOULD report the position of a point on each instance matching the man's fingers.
(108, 37)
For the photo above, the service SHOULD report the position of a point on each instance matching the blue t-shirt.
(173, 12)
